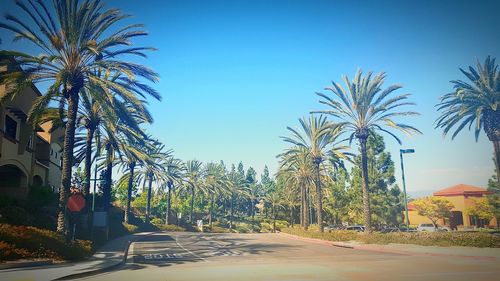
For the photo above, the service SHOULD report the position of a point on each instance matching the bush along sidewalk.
(27, 242)
(446, 239)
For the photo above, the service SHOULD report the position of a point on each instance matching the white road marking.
(448, 273)
(177, 242)
(155, 250)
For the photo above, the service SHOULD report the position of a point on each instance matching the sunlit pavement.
(197, 256)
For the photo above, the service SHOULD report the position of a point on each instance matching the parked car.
(430, 228)
(358, 228)
(332, 227)
(390, 230)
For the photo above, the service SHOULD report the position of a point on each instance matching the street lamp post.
(401, 152)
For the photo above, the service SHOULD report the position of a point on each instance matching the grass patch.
(30, 242)
(467, 239)
(170, 227)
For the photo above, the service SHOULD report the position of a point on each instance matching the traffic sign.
(76, 203)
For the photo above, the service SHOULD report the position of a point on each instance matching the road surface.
(201, 256)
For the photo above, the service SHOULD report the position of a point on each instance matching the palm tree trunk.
(306, 208)
(274, 220)
(69, 143)
(291, 216)
(252, 206)
(150, 188)
(109, 173)
(302, 206)
(319, 202)
(231, 214)
(496, 147)
(88, 162)
(169, 202)
(192, 205)
(211, 210)
(129, 192)
(366, 195)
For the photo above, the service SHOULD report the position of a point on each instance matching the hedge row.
(30, 242)
(468, 239)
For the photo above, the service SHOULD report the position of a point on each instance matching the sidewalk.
(110, 255)
(410, 249)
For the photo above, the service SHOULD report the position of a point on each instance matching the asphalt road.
(198, 256)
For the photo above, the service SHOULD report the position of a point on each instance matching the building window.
(10, 127)
(29, 146)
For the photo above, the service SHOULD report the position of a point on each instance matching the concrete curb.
(12, 265)
(107, 267)
(381, 249)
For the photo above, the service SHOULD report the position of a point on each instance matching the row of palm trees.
(361, 107)
(96, 95)
(211, 181)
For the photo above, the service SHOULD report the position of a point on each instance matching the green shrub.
(266, 227)
(42, 243)
(170, 227)
(470, 239)
(215, 228)
(244, 227)
(131, 228)
(15, 215)
(157, 221)
(10, 252)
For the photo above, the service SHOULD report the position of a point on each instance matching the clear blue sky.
(234, 74)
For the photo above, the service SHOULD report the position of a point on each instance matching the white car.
(430, 227)
(358, 228)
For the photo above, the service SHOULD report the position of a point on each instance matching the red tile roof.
(461, 189)
(411, 207)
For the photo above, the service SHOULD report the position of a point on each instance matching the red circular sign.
(76, 203)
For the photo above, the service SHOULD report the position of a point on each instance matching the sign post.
(76, 203)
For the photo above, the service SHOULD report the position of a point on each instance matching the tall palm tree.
(290, 197)
(275, 200)
(475, 104)
(318, 138)
(297, 169)
(234, 186)
(173, 173)
(362, 107)
(93, 113)
(214, 182)
(193, 181)
(253, 192)
(134, 152)
(77, 41)
(153, 169)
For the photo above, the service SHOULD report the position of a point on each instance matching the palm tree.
(253, 192)
(275, 200)
(214, 182)
(234, 187)
(77, 43)
(174, 173)
(363, 107)
(92, 114)
(296, 168)
(318, 137)
(133, 152)
(476, 103)
(290, 198)
(193, 181)
(154, 169)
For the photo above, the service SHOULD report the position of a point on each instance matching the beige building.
(28, 156)
(462, 196)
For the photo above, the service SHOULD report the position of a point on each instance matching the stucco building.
(29, 156)
(462, 196)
